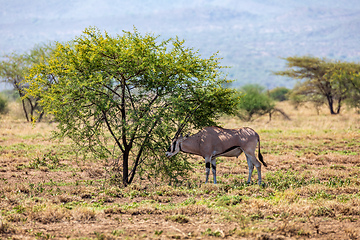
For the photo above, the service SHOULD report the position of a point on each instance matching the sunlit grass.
(312, 178)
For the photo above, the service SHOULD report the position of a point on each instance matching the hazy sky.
(24, 23)
(251, 35)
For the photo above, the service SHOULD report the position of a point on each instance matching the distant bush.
(11, 95)
(279, 93)
(254, 102)
(3, 104)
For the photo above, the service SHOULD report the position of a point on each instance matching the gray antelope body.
(213, 142)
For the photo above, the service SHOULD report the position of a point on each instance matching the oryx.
(213, 142)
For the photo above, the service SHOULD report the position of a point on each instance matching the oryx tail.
(260, 156)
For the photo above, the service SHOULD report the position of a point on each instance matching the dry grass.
(312, 187)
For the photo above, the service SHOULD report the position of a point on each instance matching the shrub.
(3, 104)
(279, 94)
(12, 95)
(254, 102)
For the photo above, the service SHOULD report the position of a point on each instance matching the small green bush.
(3, 104)
(279, 94)
(12, 95)
(254, 102)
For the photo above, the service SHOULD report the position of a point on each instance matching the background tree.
(297, 98)
(346, 76)
(123, 97)
(279, 93)
(319, 83)
(14, 69)
(254, 101)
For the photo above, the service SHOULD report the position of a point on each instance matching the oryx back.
(227, 142)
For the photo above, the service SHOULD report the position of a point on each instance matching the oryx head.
(174, 147)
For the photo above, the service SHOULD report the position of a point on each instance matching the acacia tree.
(319, 84)
(13, 70)
(346, 76)
(123, 97)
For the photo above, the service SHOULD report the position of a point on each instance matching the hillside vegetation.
(311, 187)
(251, 36)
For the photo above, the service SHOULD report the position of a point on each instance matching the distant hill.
(250, 36)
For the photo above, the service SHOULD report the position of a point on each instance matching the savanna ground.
(311, 188)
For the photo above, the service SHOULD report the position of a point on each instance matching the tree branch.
(111, 132)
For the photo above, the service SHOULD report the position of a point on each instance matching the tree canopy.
(323, 81)
(123, 97)
(15, 67)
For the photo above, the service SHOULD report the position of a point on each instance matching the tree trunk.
(22, 101)
(123, 137)
(330, 104)
(270, 112)
(126, 166)
(125, 150)
(41, 116)
(24, 108)
(339, 106)
(32, 109)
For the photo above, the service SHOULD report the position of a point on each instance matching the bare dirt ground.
(311, 188)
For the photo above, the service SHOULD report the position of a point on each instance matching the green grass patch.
(178, 218)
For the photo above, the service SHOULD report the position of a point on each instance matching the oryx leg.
(252, 161)
(207, 165)
(213, 166)
(251, 168)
